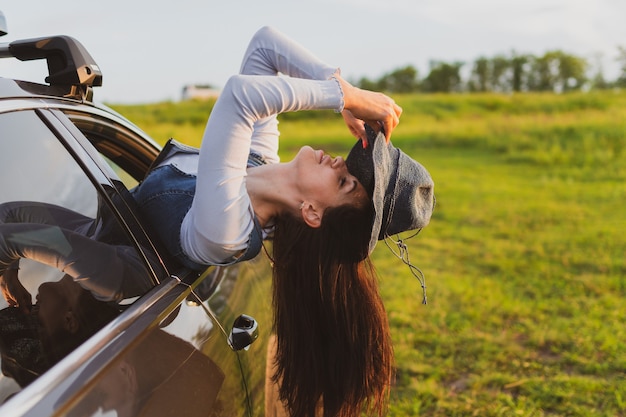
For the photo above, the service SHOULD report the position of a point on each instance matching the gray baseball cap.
(401, 189)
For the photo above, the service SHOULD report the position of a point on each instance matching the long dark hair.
(333, 343)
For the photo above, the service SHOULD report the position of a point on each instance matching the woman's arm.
(272, 53)
(109, 272)
(221, 197)
(244, 117)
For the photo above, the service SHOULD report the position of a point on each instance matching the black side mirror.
(245, 331)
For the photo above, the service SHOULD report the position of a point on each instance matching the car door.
(223, 294)
(165, 344)
(66, 247)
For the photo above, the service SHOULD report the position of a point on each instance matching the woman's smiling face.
(326, 180)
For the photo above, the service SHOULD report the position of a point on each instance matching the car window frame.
(100, 173)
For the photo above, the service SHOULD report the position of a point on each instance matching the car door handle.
(244, 332)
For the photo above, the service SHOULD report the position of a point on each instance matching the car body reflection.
(64, 316)
(146, 380)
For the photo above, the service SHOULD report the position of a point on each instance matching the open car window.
(67, 266)
(127, 154)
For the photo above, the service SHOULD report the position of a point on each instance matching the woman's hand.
(378, 110)
(14, 292)
(356, 126)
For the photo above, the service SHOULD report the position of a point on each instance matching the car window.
(67, 267)
(127, 152)
(124, 155)
(127, 179)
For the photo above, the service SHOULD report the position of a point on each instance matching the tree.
(544, 73)
(499, 70)
(367, 84)
(598, 82)
(520, 71)
(500, 73)
(403, 80)
(572, 72)
(479, 78)
(621, 58)
(557, 71)
(443, 77)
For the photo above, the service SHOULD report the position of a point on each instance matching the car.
(117, 326)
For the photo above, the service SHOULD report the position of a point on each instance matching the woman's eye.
(342, 182)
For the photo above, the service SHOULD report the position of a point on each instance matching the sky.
(148, 50)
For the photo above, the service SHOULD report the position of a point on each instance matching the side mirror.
(245, 331)
(3, 25)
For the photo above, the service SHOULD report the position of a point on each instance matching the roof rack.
(69, 63)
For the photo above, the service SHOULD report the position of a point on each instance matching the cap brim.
(371, 166)
(401, 189)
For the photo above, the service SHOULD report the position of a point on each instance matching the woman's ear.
(70, 322)
(311, 215)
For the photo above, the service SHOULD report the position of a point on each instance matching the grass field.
(524, 258)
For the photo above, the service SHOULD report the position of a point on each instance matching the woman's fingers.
(387, 124)
(356, 126)
(14, 292)
(392, 121)
(376, 109)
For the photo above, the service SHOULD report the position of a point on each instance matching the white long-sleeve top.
(218, 226)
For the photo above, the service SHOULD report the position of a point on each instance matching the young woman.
(333, 347)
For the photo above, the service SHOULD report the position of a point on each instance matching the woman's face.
(326, 180)
(55, 301)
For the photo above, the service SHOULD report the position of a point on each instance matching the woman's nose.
(338, 162)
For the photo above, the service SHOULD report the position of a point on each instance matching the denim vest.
(164, 197)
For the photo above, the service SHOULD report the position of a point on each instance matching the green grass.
(524, 257)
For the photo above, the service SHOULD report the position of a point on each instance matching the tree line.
(554, 71)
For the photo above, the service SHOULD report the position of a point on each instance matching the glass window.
(66, 265)
(125, 151)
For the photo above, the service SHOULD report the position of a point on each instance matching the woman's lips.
(320, 155)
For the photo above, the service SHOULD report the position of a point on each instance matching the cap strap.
(402, 253)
